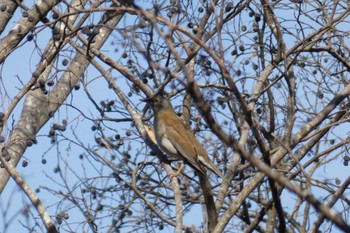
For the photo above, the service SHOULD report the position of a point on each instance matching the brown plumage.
(177, 140)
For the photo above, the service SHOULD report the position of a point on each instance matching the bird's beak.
(147, 99)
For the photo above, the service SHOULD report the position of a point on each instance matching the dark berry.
(241, 47)
(30, 37)
(55, 16)
(24, 163)
(31, 19)
(65, 62)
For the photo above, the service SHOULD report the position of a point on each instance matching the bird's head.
(158, 103)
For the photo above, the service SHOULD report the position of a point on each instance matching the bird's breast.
(163, 139)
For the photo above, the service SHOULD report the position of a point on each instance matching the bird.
(176, 139)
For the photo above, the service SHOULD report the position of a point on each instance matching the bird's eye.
(156, 100)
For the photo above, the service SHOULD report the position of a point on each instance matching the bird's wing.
(211, 166)
(184, 142)
(199, 153)
(189, 147)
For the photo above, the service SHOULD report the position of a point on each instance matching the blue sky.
(17, 68)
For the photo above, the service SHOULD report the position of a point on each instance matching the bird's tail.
(211, 166)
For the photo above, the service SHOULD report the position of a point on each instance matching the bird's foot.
(182, 166)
